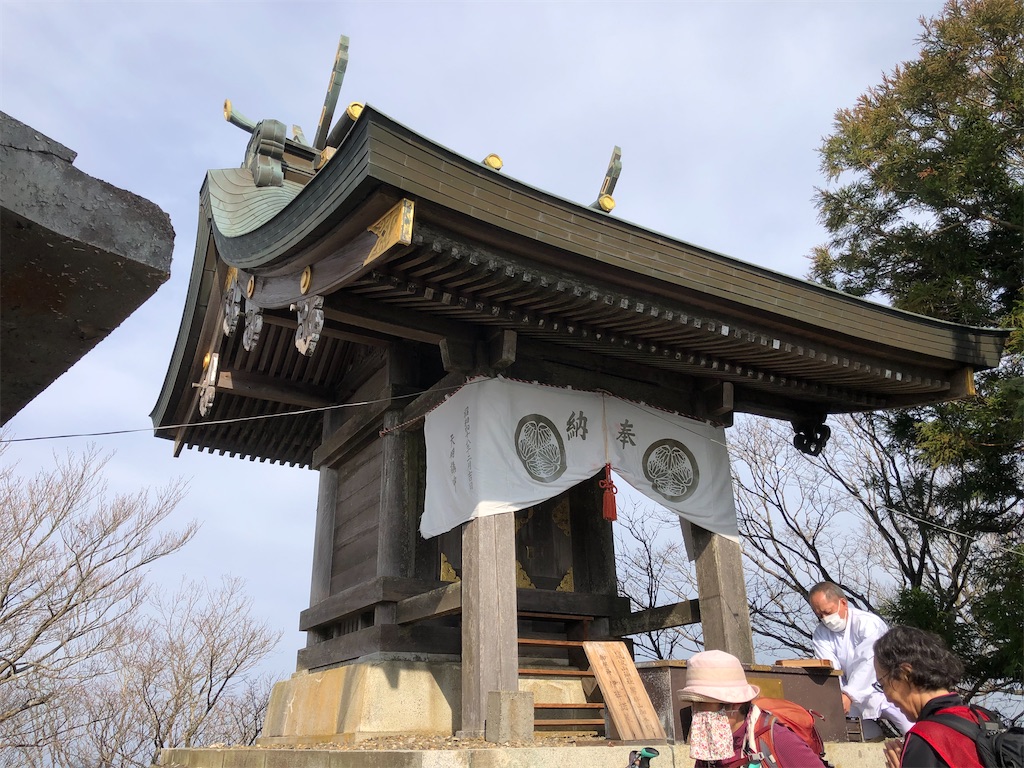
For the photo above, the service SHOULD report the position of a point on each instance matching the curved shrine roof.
(405, 239)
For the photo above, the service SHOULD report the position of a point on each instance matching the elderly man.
(846, 636)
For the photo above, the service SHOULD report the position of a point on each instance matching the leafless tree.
(863, 515)
(652, 570)
(96, 667)
(239, 719)
(72, 574)
(195, 653)
(180, 679)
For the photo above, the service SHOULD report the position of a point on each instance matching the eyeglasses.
(877, 685)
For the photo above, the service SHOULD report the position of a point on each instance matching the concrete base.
(607, 756)
(509, 716)
(364, 700)
(383, 697)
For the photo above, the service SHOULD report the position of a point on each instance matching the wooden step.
(586, 705)
(577, 721)
(551, 643)
(556, 671)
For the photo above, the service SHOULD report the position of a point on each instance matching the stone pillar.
(722, 594)
(490, 652)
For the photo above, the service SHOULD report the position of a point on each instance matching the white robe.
(852, 651)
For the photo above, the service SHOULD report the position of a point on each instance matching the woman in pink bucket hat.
(727, 726)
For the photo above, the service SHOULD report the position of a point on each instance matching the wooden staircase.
(551, 647)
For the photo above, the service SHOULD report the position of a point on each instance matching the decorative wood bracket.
(208, 384)
(393, 228)
(310, 312)
(811, 435)
(232, 302)
(253, 326)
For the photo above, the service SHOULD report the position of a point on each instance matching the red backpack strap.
(952, 746)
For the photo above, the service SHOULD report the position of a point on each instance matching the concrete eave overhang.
(79, 256)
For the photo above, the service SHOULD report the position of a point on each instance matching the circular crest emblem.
(671, 469)
(540, 448)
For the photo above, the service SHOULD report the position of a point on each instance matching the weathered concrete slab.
(77, 257)
(604, 756)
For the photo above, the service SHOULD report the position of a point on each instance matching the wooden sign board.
(629, 707)
(806, 663)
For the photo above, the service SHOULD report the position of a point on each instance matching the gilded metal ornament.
(447, 570)
(393, 228)
(566, 584)
(208, 384)
(523, 580)
(560, 516)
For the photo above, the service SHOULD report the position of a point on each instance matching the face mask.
(834, 622)
(711, 736)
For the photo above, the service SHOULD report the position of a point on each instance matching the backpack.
(796, 718)
(997, 746)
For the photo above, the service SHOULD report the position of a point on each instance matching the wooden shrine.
(345, 286)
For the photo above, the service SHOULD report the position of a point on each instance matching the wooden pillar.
(323, 538)
(326, 509)
(396, 524)
(722, 594)
(490, 653)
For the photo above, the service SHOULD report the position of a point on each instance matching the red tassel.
(608, 506)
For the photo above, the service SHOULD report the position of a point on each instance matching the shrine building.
(461, 357)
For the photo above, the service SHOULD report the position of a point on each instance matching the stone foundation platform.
(844, 755)
(380, 698)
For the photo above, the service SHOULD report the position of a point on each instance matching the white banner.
(500, 446)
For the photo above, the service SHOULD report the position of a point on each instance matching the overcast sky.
(719, 108)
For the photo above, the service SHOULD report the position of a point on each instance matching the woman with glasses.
(917, 673)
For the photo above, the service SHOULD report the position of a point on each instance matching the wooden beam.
(353, 431)
(502, 349)
(384, 638)
(258, 387)
(961, 383)
(457, 355)
(563, 366)
(580, 603)
(438, 602)
(430, 399)
(360, 597)
(339, 332)
(394, 321)
(653, 619)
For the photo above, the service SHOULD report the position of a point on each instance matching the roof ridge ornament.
(333, 90)
(605, 202)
